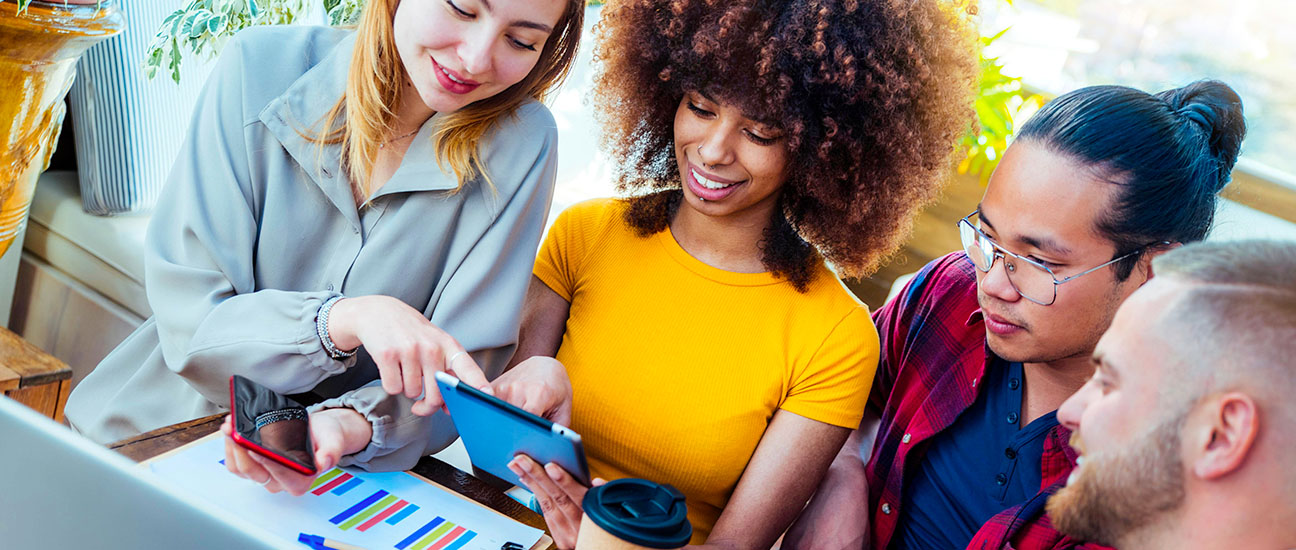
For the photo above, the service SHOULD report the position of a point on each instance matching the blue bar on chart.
(419, 533)
(456, 545)
(358, 507)
(404, 513)
(342, 490)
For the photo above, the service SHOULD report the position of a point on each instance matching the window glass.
(1060, 45)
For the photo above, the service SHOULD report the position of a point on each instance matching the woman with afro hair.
(694, 333)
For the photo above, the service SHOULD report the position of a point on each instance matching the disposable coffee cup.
(632, 514)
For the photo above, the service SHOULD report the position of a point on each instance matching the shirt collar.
(303, 105)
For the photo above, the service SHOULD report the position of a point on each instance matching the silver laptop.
(61, 490)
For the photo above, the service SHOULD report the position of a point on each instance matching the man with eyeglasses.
(983, 345)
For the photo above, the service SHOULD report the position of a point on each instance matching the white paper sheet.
(441, 521)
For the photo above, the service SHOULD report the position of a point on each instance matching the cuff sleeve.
(400, 438)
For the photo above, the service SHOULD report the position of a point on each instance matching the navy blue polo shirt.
(981, 465)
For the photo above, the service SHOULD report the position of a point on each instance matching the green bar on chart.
(325, 478)
(368, 512)
(435, 534)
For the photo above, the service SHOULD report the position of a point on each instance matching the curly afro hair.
(872, 96)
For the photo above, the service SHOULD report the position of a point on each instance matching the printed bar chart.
(375, 517)
(348, 486)
(437, 534)
(419, 533)
(367, 513)
(404, 513)
(456, 545)
(325, 478)
(367, 502)
(332, 484)
(382, 515)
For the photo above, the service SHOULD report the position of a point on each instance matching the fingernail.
(554, 471)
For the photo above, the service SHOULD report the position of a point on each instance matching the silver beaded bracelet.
(280, 415)
(321, 326)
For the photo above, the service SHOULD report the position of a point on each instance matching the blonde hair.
(374, 86)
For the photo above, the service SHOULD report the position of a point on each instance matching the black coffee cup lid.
(640, 512)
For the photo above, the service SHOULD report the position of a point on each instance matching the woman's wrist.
(356, 430)
(339, 326)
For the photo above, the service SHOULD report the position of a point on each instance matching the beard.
(1118, 493)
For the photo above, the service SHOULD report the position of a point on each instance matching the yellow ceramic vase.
(39, 49)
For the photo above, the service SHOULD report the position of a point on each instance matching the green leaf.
(168, 25)
(198, 25)
(152, 60)
(175, 62)
(253, 8)
(216, 24)
(176, 20)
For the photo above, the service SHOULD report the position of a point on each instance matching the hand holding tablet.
(495, 431)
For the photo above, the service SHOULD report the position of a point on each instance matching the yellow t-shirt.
(677, 367)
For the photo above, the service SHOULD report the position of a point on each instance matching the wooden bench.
(32, 377)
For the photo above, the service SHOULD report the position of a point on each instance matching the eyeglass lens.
(1031, 281)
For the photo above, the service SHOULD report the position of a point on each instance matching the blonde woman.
(350, 206)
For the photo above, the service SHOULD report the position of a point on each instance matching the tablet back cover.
(493, 436)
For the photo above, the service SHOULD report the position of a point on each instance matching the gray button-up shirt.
(257, 227)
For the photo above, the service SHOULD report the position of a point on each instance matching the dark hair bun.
(1171, 154)
(1214, 109)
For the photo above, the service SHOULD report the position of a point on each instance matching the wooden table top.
(23, 364)
(161, 440)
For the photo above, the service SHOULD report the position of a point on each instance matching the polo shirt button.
(1001, 479)
(905, 439)
(1012, 418)
(1014, 384)
(330, 287)
(886, 508)
(1010, 453)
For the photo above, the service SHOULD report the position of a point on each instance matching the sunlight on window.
(1060, 45)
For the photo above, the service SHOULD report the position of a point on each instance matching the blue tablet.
(494, 432)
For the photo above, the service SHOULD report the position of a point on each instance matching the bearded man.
(1188, 427)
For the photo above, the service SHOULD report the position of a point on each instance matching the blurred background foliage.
(1002, 103)
(203, 26)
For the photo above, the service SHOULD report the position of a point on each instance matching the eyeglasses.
(1031, 279)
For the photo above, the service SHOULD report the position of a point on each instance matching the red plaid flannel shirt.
(933, 353)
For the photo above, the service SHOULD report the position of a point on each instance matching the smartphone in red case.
(271, 425)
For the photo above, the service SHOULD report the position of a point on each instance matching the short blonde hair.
(1235, 325)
